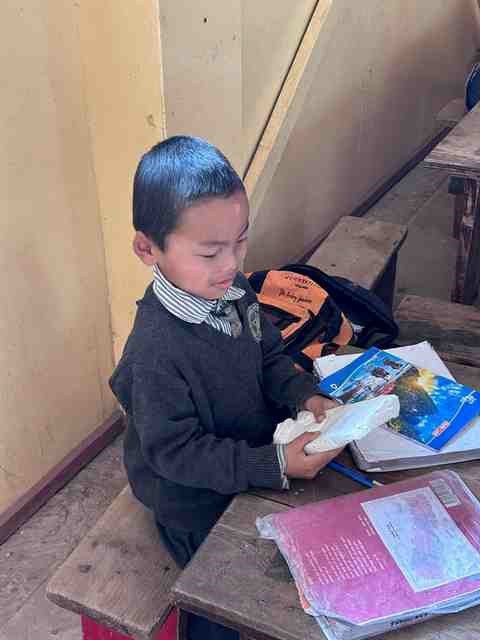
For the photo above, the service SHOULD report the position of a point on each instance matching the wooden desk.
(452, 329)
(239, 580)
(459, 153)
(364, 251)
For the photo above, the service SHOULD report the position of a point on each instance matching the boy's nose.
(231, 263)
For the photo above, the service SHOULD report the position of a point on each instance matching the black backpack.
(370, 319)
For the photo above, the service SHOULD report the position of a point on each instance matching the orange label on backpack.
(293, 292)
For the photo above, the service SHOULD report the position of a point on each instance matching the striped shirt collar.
(187, 306)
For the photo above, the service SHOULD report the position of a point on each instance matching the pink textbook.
(383, 553)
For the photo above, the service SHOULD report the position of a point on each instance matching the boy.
(203, 379)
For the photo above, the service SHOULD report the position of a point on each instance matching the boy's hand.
(318, 405)
(299, 465)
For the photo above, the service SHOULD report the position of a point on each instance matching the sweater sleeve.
(175, 446)
(284, 385)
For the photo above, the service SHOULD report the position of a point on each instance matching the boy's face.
(203, 254)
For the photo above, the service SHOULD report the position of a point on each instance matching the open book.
(384, 449)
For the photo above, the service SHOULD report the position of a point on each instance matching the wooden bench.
(365, 251)
(458, 153)
(452, 329)
(119, 577)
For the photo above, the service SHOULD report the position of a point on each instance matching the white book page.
(423, 539)
(382, 444)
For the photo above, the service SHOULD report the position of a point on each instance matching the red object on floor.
(94, 631)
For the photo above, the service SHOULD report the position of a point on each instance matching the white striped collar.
(187, 306)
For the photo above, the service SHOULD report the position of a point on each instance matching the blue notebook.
(432, 408)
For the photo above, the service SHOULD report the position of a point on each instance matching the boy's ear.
(144, 248)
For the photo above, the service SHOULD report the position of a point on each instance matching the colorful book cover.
(411, 547)
(432, 408)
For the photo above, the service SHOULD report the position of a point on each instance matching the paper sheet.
(341, 425)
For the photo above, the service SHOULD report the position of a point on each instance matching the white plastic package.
(341, 425)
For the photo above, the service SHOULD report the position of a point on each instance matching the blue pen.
(353, 474)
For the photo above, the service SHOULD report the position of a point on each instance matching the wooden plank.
(32, 555)
(452, 329)
(359, 249)
(120, 574)
(469, 376)
(286, 110)
(233, 578)
(459, 151)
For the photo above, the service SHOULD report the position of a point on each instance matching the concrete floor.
(32, 554)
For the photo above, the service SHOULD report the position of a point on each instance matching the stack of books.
(383, 558)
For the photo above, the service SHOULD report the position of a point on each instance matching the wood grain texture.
(359, 249)
(459, 151)
(34, 552)
(452, 329)
(120, 574)
(229, 580)
(233, 579)
(467, 226)
(469, 376)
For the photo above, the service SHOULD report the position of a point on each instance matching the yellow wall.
(224, 64)
(56, 350)
(383, 71)
(271, 33)
(214, 69)
(120, 47)
(202, 67)
(174, 67)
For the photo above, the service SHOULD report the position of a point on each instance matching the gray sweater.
(201, 409)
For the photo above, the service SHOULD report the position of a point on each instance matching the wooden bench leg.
(92, 630)
(459, 208)
(467, 276)
(385, 287)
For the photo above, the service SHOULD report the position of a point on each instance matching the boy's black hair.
(172, 176)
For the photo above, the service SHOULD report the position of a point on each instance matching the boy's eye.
(209, 255)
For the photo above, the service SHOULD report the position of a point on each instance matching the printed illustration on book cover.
(432, 408)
